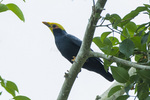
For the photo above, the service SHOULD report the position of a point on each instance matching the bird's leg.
(73, 58)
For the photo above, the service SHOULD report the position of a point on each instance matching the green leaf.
(0, 93)
(10, 87)
(98, 42)
(15, 9)
(144, 38)
(147, 5)
(107, 17)
(127, 47)
(129, 17)
(21, 98)
(107, 64)
(123, 66)
(140, 9)
(138, 57)
(113, 40)
(123, 97)
(125, 34)
(128, 87)
(115, 20)
(1, 79)
(142, 91)
(148, 36)
(120, 74)
(134, 78)
(132, 15)
(104, 35)
(105, 46)
(114, 90)
(3, 8)
(132, 27)
(142, 26)
(137, 43)
(114, 51)
(145, 75)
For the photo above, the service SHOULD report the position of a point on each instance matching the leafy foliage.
(126, 47)
(114, 90)
(120, 74)
(14, 8)
(3, 8)
(21, 98)
(123, 97)
(11, 88)
(134, 42)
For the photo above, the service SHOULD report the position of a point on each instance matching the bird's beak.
(47, 24)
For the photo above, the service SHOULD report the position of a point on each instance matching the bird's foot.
(73, 58)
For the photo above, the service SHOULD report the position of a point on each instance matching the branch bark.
(83, 52)
(119, 60)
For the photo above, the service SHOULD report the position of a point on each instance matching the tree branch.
(104, 96)
(83, 52)
(119, 60)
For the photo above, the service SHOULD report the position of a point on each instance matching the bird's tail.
(95, 64)
(103, 72)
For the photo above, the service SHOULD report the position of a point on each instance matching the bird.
(69, 45)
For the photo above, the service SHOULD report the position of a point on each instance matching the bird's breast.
(67, 48)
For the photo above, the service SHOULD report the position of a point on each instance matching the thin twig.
(102, 25)
(136, 51)
(103, 20)
(113, 30)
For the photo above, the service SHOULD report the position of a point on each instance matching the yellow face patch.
(53, 26)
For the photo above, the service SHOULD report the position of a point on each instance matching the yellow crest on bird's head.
(52, 25)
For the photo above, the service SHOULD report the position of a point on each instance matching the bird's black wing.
(74, 39)
(93, 64)
(78, 42)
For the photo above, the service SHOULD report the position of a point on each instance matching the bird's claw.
(73, 58)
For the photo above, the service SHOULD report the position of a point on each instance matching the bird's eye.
(53, 26)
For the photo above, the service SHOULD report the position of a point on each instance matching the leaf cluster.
(14, 8)
(133, 43)
(12, 88)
